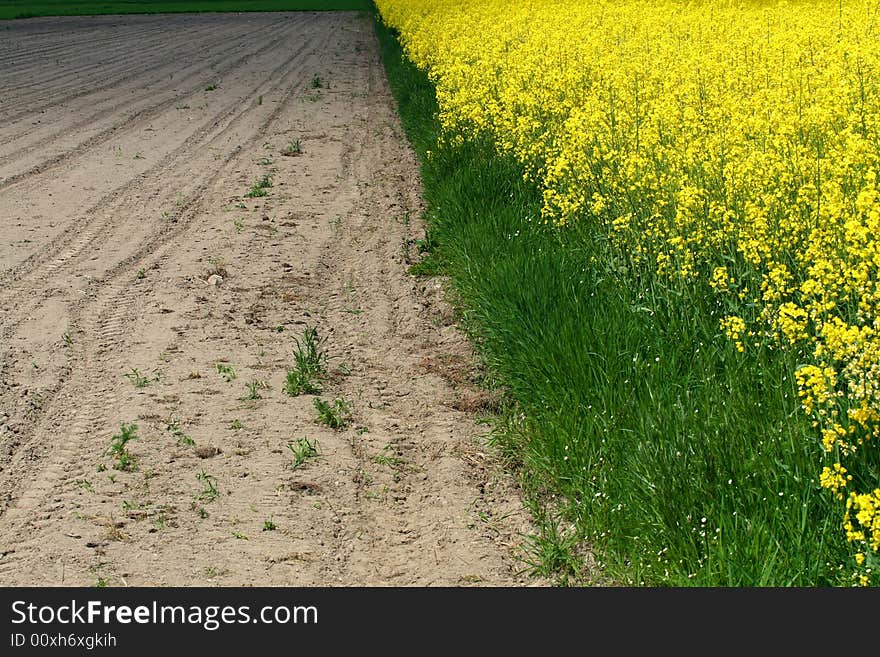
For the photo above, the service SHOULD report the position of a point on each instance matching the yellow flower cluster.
(735, 142)
(834, 479)
(815, 386)
(866, 509)
(734, 327)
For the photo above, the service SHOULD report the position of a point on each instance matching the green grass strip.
(645, 436)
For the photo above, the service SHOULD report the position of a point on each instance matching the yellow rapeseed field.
(730, 144)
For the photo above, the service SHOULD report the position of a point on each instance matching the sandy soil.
(130, 251)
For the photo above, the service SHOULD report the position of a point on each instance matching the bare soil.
(131, 252)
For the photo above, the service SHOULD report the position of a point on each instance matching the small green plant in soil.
(254, 388)
(302, 449)
(173, 426)
(333, 414)
(209, 491)
(226, 370)
(294, 147)
(137, 378)
(259, 187)
(310, 365)
(388, 456)
(119, 448)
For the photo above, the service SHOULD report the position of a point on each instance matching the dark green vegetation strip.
(646, 435)
(33, 8)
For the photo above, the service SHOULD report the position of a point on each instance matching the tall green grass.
(642, 434)
(32, 8)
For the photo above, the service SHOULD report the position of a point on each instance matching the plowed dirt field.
(163, 249)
